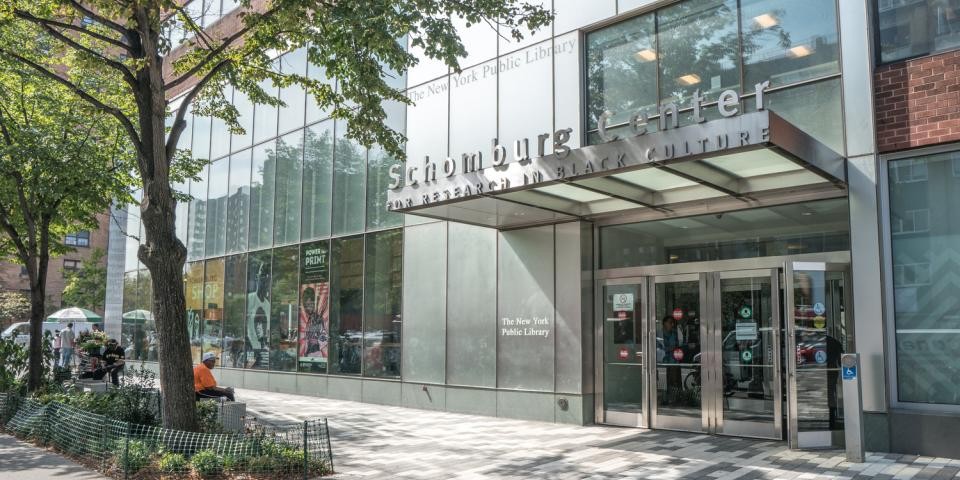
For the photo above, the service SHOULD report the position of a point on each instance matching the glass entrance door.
(622, 396)
(717, 353)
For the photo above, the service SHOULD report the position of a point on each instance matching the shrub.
(235, 463)
(208, 415)
(134, 456)
(261, 464)
(206, 463)
(290, 460)
(172, 463)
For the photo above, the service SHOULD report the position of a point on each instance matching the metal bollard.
(852, 406)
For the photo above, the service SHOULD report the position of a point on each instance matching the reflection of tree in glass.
(317, 171)
(286, 157)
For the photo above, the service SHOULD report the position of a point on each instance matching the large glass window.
(793, 229)
(193, 283)
(622, 70)
(216, 235)
(263, 173)
(317, 176)
(219, 134)
(288, 156)
(349, 178)
(234, 311)
(382, 299)
(212, 325)
(244, 106)
(924, 260)
(201, 137)
(314, 314)
(258, 310)
(916, 27)
(787, 42)
(283, 304)
(265, 116)
(238, 202)
(699, 49)
(378, 173)
(198, 216)
(346, 305)
(294, 96)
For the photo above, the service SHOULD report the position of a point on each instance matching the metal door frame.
(814, 439)
(624, 419)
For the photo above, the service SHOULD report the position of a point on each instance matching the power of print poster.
(314, 308)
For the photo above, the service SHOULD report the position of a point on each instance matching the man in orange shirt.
(204, 383)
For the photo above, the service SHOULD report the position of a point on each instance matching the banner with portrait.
(314, 307)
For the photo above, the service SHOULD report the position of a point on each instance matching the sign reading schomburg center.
(548, 158)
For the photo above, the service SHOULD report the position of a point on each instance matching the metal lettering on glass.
(433, 182)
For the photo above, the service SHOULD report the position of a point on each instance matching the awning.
(738, 162)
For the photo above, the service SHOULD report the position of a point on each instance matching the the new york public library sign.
(547, 158)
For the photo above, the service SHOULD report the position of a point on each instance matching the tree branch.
(187, 100)
(69, 26)
(115, 112)
(13, 234)
(127, 74)
(99, 18)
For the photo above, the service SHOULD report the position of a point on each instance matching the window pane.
(244, 106)
(132, 229)
(263, 170)
(265, 116)
(814, 108)
(909, 29)
(382, 299)
(193, 283)
(288, 157)
(622, 70)
(283, 317)
(201, 137)
(699, 49)
(182, 211)
(787, 41)
(314, 318)
(216, 235)
(238, 202)
(198, 216)
(378, 173)
(212, 326)
(926, 311)
(314, 112)
(317, 176)
(258, 309)
(346, 305)
(219, 134)
(235, 311)
(129, 291)
(292, 115)
(349, 170)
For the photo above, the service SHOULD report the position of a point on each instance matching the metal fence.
(126, 450)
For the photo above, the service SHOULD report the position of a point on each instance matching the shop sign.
(624, 353)
(677, 314)
(746, 331)
(548, 158)
(623, 302)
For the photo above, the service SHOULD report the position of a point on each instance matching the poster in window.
(258, 310)
(314, 308)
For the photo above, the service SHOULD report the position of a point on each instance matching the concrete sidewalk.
(379, 442)
(23, 461)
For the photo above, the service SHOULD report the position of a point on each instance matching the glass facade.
(710, 46)
(925, 244)
(910, 28)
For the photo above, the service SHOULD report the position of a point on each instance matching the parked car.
(20, 331)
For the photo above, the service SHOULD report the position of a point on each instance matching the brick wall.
(10, 278)
(918, 102)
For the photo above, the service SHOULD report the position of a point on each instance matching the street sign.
(849, 373)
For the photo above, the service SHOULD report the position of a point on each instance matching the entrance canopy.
(730, 163)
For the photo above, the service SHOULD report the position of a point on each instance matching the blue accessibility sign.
(849, 373)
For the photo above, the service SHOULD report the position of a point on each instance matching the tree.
(61, 162)
(87, 287)
(14, 307)
(126, 46)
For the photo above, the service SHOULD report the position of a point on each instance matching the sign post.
(852, 406)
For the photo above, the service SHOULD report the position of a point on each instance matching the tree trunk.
(37, 307)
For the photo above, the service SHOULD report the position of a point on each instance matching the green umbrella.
(137, 316)
(75, 314)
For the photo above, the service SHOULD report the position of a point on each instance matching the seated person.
(110, 360)
(113, 360)
(204, 383)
